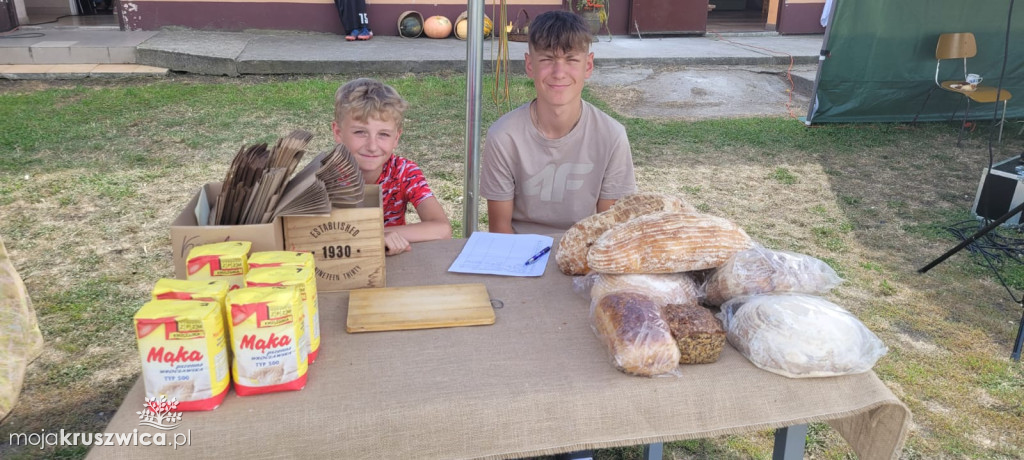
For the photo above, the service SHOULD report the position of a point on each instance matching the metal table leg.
(789, 443)
(654, 451)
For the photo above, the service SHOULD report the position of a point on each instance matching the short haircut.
(559, 30)
(366, 98)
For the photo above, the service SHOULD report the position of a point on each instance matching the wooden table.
(536, 382)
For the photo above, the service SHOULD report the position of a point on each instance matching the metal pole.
(474, 58)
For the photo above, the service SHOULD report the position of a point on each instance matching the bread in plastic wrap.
(800, 335)
(662, 288)
(667, 242)
(698, 333)
(20, 339)
(636, 335)
(574, 245)
(759, 270)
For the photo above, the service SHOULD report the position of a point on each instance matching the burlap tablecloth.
(536, 382)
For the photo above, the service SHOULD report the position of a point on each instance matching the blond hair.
(366, 98)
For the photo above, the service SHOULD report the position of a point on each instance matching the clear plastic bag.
(799, 335)
(662, 288)
(632, 327)
(759, 270)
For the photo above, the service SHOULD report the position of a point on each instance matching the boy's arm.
(433, 224)
(499, 216)
(603, 205)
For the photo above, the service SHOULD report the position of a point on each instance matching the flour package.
(227, 261)
(183, 346)
(305, 280)
(267, 340)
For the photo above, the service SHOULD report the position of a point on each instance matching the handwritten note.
(502, 254)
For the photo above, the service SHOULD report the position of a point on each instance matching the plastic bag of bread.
(667, 242)
(636, 335)
(662, 288)
(759, 270)
(20, 339)
(575, 243)
(799, 335)
(698, 333)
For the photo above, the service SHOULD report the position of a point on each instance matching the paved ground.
(677, 77)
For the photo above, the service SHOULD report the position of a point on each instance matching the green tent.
(880, 59)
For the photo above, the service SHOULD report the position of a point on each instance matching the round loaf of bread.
(667, 242)
(575, 243)
(799, 335)
(759, 270)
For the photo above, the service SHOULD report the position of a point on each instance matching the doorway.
(61, 14)
(738, 16)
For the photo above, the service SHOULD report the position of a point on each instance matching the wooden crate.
(347, 245)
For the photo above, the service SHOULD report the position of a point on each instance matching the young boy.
(558, 159)
(368, 121)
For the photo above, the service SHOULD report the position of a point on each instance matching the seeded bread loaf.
(637, 337)
(698, 333)
(575, 243)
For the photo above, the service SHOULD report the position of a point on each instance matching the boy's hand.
(395, 244)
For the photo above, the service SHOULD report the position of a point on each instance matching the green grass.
(108, 166)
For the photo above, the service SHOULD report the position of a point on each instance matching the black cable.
(59, 18)
(994, 249)
(999, 87)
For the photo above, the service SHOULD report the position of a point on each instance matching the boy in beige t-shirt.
(558, 159)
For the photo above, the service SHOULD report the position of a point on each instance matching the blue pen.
(538, 255)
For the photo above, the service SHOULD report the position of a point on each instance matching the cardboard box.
(347, 245)
(187, 234)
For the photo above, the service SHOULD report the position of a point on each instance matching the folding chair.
(962, 46)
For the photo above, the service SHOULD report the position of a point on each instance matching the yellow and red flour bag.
(266, 338)
(305, 280)
(183, 345)
(267, 259)
(175, 289)
(227, 261)
(205, 290)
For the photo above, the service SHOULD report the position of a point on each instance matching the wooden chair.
(962, 46)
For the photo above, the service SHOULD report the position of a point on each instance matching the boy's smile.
(371, 142)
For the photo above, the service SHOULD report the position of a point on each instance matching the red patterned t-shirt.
(401, 182)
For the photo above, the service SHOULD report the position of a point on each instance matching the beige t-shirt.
(555, 182)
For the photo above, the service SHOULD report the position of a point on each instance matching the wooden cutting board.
(418, 307)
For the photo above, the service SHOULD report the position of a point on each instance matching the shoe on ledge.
(352, 35)
(365, 34)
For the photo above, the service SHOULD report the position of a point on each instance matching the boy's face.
(371, 142)
(558, 77)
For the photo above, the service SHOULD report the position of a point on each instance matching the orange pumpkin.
(437, 27)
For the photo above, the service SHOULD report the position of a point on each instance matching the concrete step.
(71, 46)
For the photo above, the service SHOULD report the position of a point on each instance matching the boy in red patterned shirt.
(368, 121)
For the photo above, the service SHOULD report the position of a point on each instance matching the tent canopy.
(881, 59)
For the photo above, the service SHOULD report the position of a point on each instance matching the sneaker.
(352, 35)
(365, 34)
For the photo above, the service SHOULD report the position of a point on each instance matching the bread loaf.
(698, 333)
(759, 270)
(799, 335)
(667, 242)
(635, 333)
(575, 243)
(662, 288)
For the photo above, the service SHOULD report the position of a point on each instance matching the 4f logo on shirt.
(552, 182)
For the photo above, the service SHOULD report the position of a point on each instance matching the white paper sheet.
(502, 254)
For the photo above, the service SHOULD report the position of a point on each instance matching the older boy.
(368, 121)
(558, 159)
